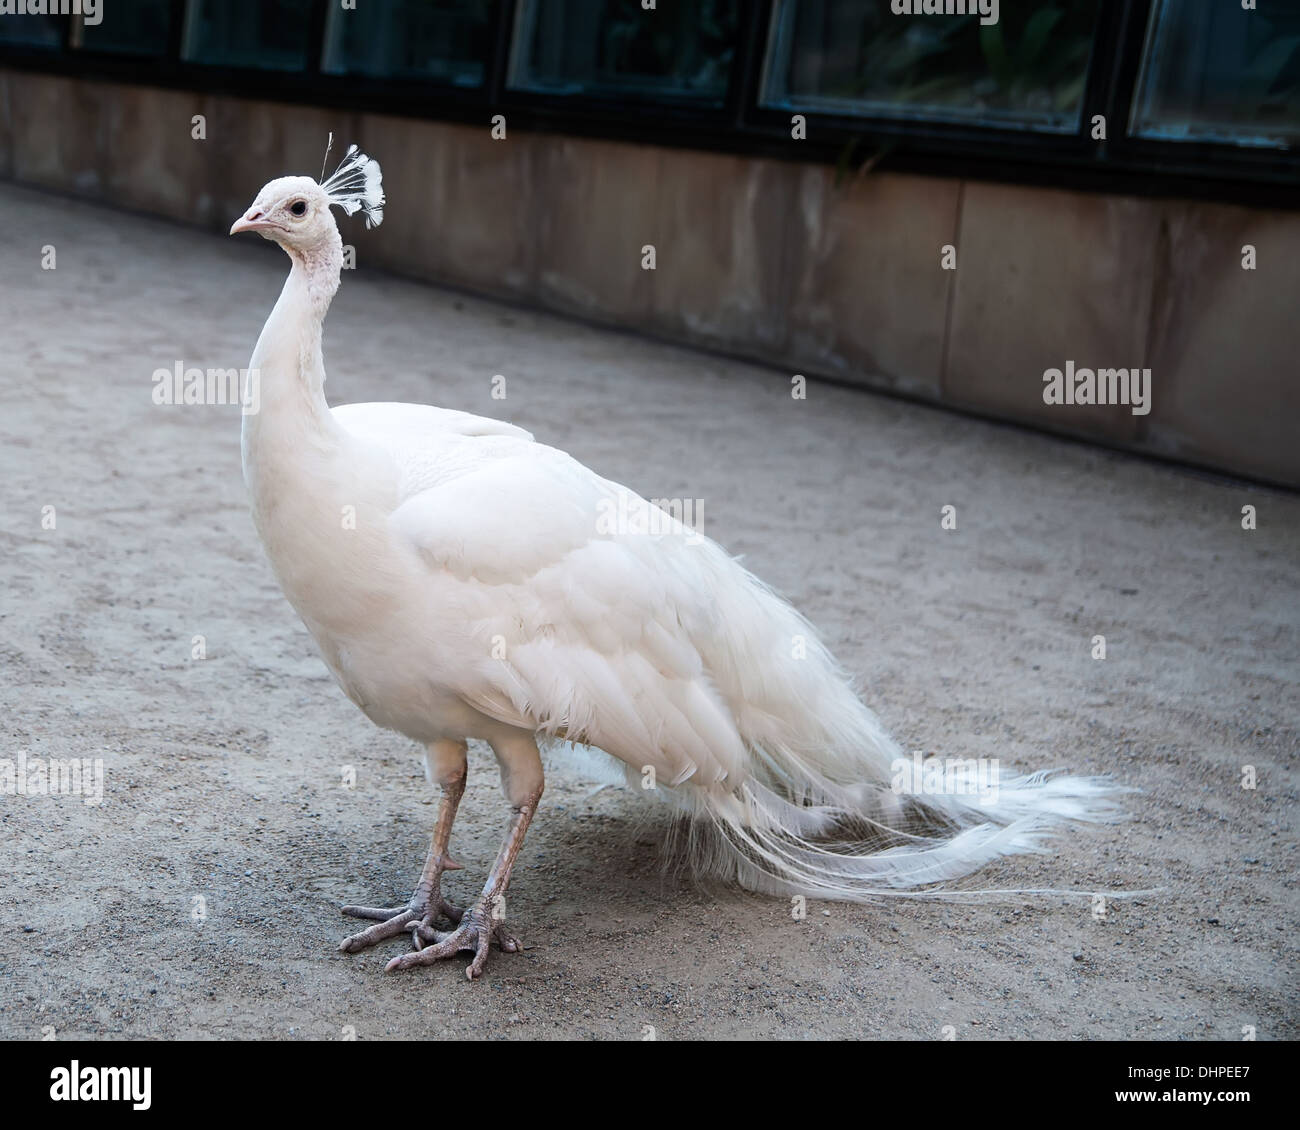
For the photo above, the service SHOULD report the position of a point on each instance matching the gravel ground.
(223, 774)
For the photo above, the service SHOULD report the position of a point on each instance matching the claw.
(378, 932)
(418, 916)
(379, 913)
(476, 932)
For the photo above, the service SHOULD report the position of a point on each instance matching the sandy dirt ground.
(223, 775)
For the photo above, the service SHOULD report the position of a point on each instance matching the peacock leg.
(484, 921)
(447, 759)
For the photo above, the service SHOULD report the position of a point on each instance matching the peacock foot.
(425, 908)
(478, 927)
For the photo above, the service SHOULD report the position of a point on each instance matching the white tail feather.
(820, 813)
(774, 847)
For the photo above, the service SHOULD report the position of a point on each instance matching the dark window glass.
(679, 50)
(31, 31)
(1026, 70)
(442, 40)
(271, 34)
(1219, 72)
(134, 27)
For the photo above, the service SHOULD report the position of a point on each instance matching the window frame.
(1121, 164)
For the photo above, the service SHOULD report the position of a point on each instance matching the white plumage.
(464, 581)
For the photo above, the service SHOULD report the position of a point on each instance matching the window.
(443, 41)
(1218, 72)
(1026, 70)
(31, 31)
(129, 27)
(1206, 92)
(679, 50)
(271, 34)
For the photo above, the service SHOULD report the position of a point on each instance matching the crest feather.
(357, 184)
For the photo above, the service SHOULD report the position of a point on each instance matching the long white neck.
(318, 503)
(288, 366)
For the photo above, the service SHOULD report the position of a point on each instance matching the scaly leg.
(447, 761)
(484, 922)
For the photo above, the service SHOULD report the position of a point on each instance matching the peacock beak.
(253, 220)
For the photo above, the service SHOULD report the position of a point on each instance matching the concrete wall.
(766, 259)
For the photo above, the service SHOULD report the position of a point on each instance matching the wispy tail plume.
(821, 811)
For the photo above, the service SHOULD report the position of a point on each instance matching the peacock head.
(295, 211)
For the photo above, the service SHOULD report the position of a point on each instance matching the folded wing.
(585, 620)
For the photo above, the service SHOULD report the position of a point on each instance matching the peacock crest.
(356, 184)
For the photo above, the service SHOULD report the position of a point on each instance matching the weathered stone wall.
(767, 259)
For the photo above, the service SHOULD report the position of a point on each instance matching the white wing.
(583, 627)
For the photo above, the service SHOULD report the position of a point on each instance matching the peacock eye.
(298, 207)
